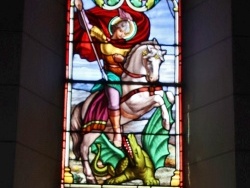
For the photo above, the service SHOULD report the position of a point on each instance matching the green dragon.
(136, 165)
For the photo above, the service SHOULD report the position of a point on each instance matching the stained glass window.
(122, 118)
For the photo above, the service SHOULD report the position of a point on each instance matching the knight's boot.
(114, 116)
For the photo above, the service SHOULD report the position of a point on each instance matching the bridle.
(133, 75)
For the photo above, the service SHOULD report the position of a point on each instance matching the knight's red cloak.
(101, 18)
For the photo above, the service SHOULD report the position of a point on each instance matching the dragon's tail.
(101, 171)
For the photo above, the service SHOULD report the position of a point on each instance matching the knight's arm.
(98, 34)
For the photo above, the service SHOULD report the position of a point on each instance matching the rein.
(133, 75)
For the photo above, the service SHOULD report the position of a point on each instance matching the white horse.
(141, 67)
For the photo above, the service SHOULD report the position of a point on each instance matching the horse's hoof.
(91, 180)
(166, 124)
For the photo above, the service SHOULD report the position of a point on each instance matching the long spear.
(83, 15)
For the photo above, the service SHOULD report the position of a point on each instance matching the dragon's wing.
(109, 153)
(155, 138)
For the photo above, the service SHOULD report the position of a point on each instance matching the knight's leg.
(114, 114)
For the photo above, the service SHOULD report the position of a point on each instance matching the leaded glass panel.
(122, 119)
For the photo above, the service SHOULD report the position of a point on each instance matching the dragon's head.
(133, 150)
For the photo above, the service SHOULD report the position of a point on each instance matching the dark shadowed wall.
(216, 93)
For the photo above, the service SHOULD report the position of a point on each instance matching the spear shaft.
(83, 15)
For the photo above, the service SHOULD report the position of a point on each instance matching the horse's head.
(153, 56)
(144, 60)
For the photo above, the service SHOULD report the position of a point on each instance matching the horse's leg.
(159, 102)
(165, 117)
(141, 103)
(164, 112)
(146, 103)
(87, 140)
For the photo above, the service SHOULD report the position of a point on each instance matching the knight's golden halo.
(130, 34)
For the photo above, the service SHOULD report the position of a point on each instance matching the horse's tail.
(75, 128)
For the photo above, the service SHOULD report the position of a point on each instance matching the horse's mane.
(150, 42)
